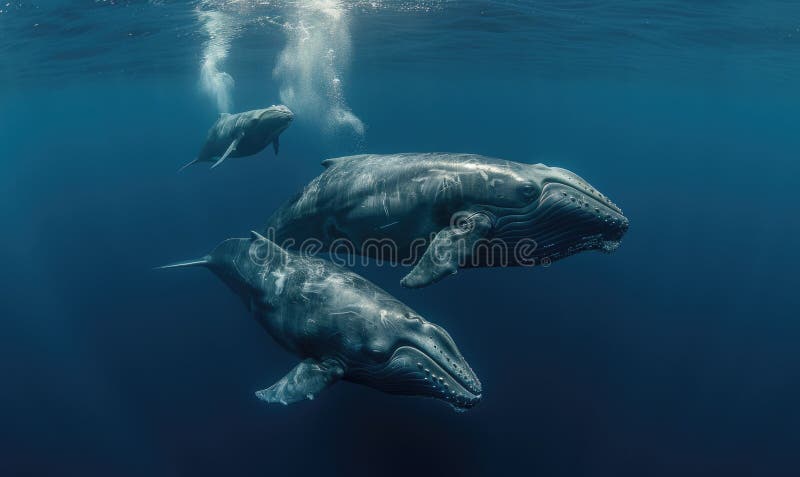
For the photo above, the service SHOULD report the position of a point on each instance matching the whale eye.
(413, 317)
(529, 190)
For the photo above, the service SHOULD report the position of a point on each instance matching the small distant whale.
(443, 211)
(341, 326)
(244, 134)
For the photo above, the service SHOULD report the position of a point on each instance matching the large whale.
(340, 325)
(443, 211)
(244, 134)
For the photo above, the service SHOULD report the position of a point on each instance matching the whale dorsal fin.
(304, 381)
(266, 250)
(327, 163)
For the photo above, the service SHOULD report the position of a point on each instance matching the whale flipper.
(193, 161)
(199, 262)
(228, 151)
(448, 250)
(276, 144)
(304, 381)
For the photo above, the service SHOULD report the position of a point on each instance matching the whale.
(441, 212)
(243, 134)
(341, 327)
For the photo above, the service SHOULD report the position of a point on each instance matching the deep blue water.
(676, 355)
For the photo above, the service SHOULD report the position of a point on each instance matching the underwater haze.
(677, 355)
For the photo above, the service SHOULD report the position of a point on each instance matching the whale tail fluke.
(200, 262)
(193, 161)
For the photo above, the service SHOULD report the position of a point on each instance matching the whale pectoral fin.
(276, 144)
(304, 381)
(448, 250)
(194, 161)
(228, 151)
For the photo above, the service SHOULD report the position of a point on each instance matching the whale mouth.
(456, 385)
(609, 246)
(563, 221)
(411, 371)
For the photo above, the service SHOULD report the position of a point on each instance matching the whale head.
(547, 213)
(274, 120)
(405, 354)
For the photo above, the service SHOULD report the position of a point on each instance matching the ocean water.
(675, 355)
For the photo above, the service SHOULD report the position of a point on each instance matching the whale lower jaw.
(609, 246)
(563, 222)
(410, 371)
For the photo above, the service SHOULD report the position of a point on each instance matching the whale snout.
(568, 216)
(558, 175)
(617, 227)
(424, 362)
(437, 377)
(576, 219)
(282, 112)
(594, 215)
(276, 118)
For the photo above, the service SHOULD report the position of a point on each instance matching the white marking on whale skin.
(263, 274)
(389, 225)
(308, 199)
(348, 312)
(448, 181)
(280, 280)
(311, 288)
(496, 169)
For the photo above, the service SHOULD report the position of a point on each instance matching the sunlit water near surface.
(676, 355)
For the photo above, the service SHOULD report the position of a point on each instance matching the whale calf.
(244, 134)
(444, 211)
(340, 325)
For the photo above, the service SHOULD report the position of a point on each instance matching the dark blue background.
(677, 355)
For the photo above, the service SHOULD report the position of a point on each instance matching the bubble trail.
(314, 62)
(218, 84)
